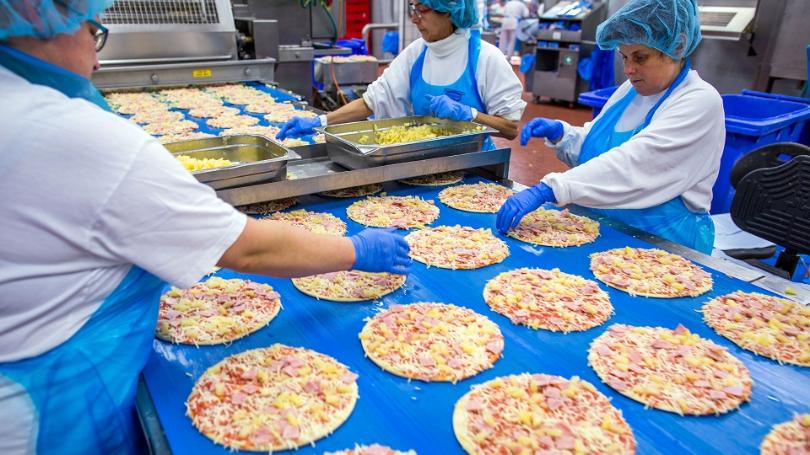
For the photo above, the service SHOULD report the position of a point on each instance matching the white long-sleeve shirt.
(445, 61)
(677, 154)
(512, 12)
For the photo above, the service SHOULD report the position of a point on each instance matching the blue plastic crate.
(597, 99)
(752, 122)
(805, 136)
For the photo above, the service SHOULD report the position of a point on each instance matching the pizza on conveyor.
(540, 414)
(401, 212)
(456, 247)
(788, 438)
(355, 191)
(650, 273)
(264, 208)
(478, 197)
(671, 370)
(558, 228)
(216, 311)
(432, 341)
(317, 222)
(440, 179)
(271, 399)
(349, 286)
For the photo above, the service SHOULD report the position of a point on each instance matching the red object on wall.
(358, 14)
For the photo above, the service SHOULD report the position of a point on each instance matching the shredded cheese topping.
(789, 438)
(671, 370)
(393, 211)
(457, 247)
(559, 228)
(650, 272)
(540, 414)
(198, 164)
(271, 399)
(441, 179)
(769, 326)
(216, 311)
(548, 299)
(317, 222)
(349, 286)
(356, 191)
(479, 197)
(432, 341)
(264, 208)
(374, 449)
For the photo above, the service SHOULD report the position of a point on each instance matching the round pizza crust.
(216, 311)
(671, 370)
(548, 299)
(768, 326)
(456, 247)
(650, 273)
(432, 341)
(357, 191)
(349, 286)
(264, 208)
(271, 399)
(401, 212)
(557, 228)
(788, 438)
(441, 179)
(317, 222)
(374, 449)
(478, 197)
(538, 413)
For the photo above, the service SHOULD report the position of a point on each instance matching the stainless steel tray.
(257, 159)
(344, 147)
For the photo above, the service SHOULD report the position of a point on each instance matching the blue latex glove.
(444, 107)
(380, 250)
(541, 127)
(298, 126)
(517, 206)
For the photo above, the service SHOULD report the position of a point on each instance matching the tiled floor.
(529, 164)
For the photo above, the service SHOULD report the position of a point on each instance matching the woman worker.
(448, 73)
(651, 156)
(96, 215)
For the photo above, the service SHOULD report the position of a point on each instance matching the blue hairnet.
(671, 26)
(463, 13)
(46, 18)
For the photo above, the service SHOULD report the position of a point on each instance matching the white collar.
(451, 44)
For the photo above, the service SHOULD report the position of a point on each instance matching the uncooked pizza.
(161, 115)
(650, 273)
(769, 326)
(349, 286)
(284, 115)
(789, 438)
(317, 222)
(170, 127)
(213, 110)
(357, 191)
(169, 138)
(456, 247)
(440, 179)
(478, 197)
(671, 370)
(267, 131)
(393, 211)
(271, 399)
(232, 121)
(432, 341)
(558, 228)
(540, 414)
(264, 208)
(548, 299)
(374, 449)
(216, 311)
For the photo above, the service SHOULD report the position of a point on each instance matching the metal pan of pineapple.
(232, 161)
(377, 142)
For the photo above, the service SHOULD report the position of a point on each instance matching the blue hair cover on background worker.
(652, 155)
(97, 217)
(449, 73)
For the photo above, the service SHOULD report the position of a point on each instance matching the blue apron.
(464, 90)
(83, 390)
(671, 220)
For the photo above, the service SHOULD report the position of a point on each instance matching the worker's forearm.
(278, 249)
(507, 128)
(352, 112)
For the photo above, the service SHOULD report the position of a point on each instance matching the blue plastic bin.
(805, 136)
(596, 99)
(752, 122)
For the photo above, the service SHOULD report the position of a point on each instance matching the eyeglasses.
(417, 11)
(100, 35)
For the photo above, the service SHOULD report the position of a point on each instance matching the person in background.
(96, 216)
(513, 12)
(651, 156)
(449, 73)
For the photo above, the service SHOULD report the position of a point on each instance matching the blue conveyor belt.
(416, 415)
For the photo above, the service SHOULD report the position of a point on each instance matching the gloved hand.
(541, 127)
(298, 126)
(517, 206)
(444, 107)
(380, 250)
